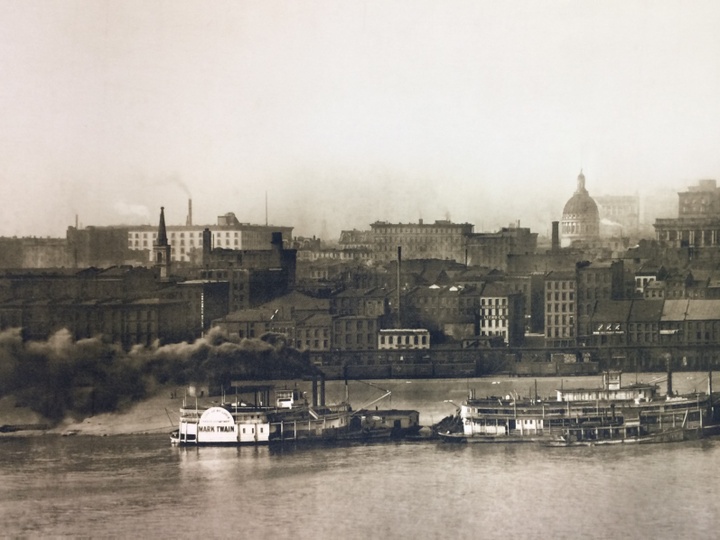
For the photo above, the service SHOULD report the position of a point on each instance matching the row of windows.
(494, 301)
(315, 344)
(556, 308)
(403, 340)
(215, 234)
(560, 285)
(359, 325)
(560, 296)
(560, 320)
(560, 332)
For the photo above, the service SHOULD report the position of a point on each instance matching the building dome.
(581, 218)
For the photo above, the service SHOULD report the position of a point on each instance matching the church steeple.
(161, 248)
(162, 232)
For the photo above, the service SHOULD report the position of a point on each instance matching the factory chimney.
(555, 236)
(188, 222)
(399, 284)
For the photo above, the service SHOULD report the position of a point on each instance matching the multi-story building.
(502, 314)
(354, 239)
(619, 214)
(314, 332)
(187, 240)
(103, 247)
(440, 240)
(373, 302)
(356, 332)
(644, 322)
(491, 250)
(690, 322)
(560, 328)
(142, 321)
(434, 307)
(608, 324)
(531, 286)
(698, 221)
(403, 339)
(596, 281)
(269, 273)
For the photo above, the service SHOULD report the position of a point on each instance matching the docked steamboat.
(290, 418)
(610, 414)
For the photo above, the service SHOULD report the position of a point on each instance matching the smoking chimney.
(189, 216)
(555, 236)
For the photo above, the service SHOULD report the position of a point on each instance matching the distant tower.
(161, 248)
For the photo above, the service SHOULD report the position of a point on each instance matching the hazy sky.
(348, 111)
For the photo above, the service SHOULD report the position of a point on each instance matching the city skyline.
(346, 114)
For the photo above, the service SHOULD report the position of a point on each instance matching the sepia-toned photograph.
(359, 269)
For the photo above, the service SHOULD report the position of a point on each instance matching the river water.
(139, 485)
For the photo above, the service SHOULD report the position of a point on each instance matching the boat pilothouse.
(611, 413)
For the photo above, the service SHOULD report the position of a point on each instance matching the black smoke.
(64, 376)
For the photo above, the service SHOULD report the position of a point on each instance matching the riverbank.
(433, 398)
(156, 414)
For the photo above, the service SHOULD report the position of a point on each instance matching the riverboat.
(290, 419)
(611, 414)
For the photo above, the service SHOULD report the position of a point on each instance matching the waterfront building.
(581, 218)
(502, 314)
(560, 329)
(355, 332)
(403, 339)
(598, 280)
(644, 322)
(690, 322)
(434, 307)
(608, 324)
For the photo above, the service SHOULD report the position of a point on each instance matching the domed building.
(581, 218)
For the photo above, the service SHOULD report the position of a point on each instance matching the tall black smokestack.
(555, 236)
(399, 264)
(189, 216)
(207, 245)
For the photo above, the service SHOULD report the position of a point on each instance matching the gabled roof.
(646, 310)
(674, 310)
(703, 310)
(494, 289)
(358, 293)
(299, 301)
(317, 319)
(249, 315)
(612, 310)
